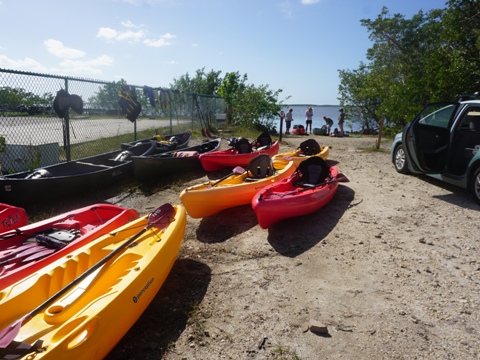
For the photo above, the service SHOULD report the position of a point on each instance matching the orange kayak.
(237, 189)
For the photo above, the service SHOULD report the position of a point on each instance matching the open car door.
(428, 135)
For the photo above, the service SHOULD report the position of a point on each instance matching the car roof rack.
(465, 97)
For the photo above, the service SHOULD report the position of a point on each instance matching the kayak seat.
(67, 224)
(185, 136)
(309, 147)
(185, 153)
(263, 140)
(313, 171)
(87, 228)
(39, 174)
(260, 167)
(243, 146)
(206, 147)
(124, 156)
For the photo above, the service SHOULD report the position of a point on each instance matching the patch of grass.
(113, 143)
(196, 322)
(284, 353)
(169, 348)
(39, 216)
(373, 148)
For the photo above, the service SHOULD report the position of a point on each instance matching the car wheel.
(400, 160)
(475, 185)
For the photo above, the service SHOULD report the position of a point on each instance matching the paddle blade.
(8, 334)
(238, 170)
(341, 178)
(162, 216)
(41, 253)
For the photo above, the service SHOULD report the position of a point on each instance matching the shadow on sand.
(296, 235)
(167, 315)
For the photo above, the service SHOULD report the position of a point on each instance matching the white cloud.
(66, 66)
(309, 2)
(87, 67)
(27, 63)
(162, 41)
(169, 36)
(112, 34)
(107, 33)
(128, 24)
(134, 36)
(57, 48)
(130, 35)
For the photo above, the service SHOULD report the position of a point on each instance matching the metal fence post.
(66, 129)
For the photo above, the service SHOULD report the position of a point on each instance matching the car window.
(471, 119)
(436, 115)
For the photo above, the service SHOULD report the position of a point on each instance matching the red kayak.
(309, 189)
(12, 217)
(298, 130)
(29, 248)
(241, 153)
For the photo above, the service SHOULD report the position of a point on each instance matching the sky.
(297, 46)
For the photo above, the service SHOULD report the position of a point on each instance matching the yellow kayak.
(98, 291)
(237, 189)
(307, 149)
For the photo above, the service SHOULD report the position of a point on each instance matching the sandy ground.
(389, 269)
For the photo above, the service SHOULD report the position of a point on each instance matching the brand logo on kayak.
(145, 288)
(10, 220)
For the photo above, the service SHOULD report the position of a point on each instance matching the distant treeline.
(311, 105)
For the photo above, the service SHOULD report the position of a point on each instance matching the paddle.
(236, 171)
(209, 134)
(338, 178)
(158, 218)
(27, 253)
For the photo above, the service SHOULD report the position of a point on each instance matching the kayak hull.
(222, 159)
(284, 200)
(172, 162)
(204, 199)
(89, 320)
(21, 255)
(164, 143)
(65, 179)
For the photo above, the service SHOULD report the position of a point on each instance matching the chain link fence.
(33, 135)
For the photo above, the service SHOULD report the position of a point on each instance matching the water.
(330, 111)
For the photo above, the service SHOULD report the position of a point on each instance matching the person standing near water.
(288, 120)
(341, 120)
(329, 123)
(308, 119)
